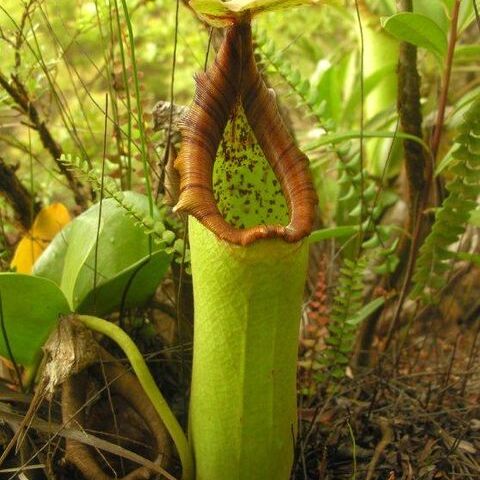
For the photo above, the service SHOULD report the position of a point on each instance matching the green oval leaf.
(126, 269)
(436, 11)
(30, 307)
(417, 29)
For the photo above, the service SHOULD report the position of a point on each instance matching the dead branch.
(18, 93)
(20, 199)
(387, 438)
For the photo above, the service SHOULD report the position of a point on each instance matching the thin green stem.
(447, 74)
(127, 96)
(336, 138)
(141, 128)
(145, 378)
(354, 448)
(362, 122)
(109, 56)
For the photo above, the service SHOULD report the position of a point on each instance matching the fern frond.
(376, 253)
(348, 301)
(150, 226)
(307, 95)
(435, 256)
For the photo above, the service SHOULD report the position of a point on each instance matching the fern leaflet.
(435, 257)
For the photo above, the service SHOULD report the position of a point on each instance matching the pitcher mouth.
(233, 84)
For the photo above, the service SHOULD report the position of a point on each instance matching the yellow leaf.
(28, 250)
(47, 224)
(50, 221)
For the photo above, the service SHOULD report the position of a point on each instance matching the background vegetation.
(390, 325)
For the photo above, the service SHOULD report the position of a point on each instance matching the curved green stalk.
(148, 383)
(243, 412)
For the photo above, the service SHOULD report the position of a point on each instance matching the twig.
(19, 36)
(448, 374)
(447, 74)
(471, 359)
(58, 430)
(387, 438)
(19, 95)
(17, 195)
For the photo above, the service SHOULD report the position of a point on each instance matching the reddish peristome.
(233, 78)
